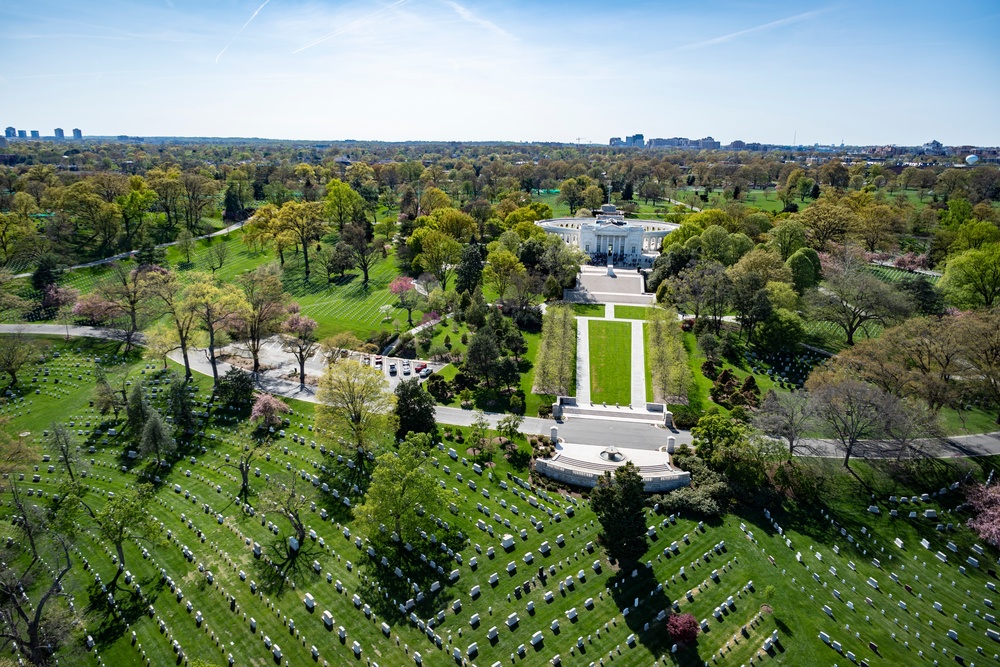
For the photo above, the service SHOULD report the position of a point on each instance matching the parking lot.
(279, 363)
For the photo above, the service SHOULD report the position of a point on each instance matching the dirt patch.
(293, 375)
(766, 609)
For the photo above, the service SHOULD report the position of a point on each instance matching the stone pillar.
(668, 419)
(671, 444)
(554, 434)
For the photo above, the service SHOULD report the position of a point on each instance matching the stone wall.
(552, 469)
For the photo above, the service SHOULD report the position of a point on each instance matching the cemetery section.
(514, 568)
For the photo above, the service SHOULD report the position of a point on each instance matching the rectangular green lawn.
(610, 362)
(630, 312)
(589, 309)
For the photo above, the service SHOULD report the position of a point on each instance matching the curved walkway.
(589, 431)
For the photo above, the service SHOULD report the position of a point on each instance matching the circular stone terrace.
(610, 236)
(583, 465)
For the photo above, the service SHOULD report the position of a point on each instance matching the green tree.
(403, 494)
(502, 268)
(305, 224)
(804, 269)
(137, 411)
(16, 350)
(414, 409)
(217, 309)
(156, 438)
(787, 237)
(181, 406)
(619, 503)
(470, 269)
(439, 255)
(973, 277)
(343, 205)
(126, 516)
(571, 194)
(483, 355)
(356, 405)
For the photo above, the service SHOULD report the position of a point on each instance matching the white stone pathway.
(583, 360)
(638, 366)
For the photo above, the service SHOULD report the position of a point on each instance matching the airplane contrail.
(350, 25)
(252, 17)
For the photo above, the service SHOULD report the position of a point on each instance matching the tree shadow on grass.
(279, 566)
(641, 620)
(129, 607)
(396, 590)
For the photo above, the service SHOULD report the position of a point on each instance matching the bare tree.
(16, 350)
(217, 256)
(851, 410)
(61, 440)
(787, 416)
(35, 625)
(266, 299)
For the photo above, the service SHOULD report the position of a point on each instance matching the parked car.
(419, 367)
(425, 372)
(392, 368)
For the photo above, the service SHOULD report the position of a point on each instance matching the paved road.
(581, 430)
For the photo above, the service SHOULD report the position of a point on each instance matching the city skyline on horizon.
(480, 70)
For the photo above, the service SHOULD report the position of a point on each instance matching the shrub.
(710, 370)
(517, 404)
(544, 410)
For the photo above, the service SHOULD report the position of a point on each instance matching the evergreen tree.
(618, 502)
(156, 439)
(470, 269)
(181, 407)
(414, 409)
(137, 410)
(482, 356)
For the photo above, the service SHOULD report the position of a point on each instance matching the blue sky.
(868, 72)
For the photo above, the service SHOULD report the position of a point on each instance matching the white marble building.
(628, 242)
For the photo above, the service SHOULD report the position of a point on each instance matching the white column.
(638, 366)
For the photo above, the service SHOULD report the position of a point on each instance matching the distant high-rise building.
(22, 134)
(77, 133)
(10, 132)
(3, 142)
(60, 134)
(636, 140)
(616, 141)
(35, 134)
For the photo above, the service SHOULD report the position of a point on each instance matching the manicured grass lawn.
(630, 312)
(589, 309)
(893, 275)
(811, 522)
(610, 362)
(343, 305)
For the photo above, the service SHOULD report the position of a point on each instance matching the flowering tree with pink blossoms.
(985, 502)
(405, 289)
(267, 410)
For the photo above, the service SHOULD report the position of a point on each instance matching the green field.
(589, 309)
(786, 595)
(610, 362)
(343, 305)
(630, 312)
